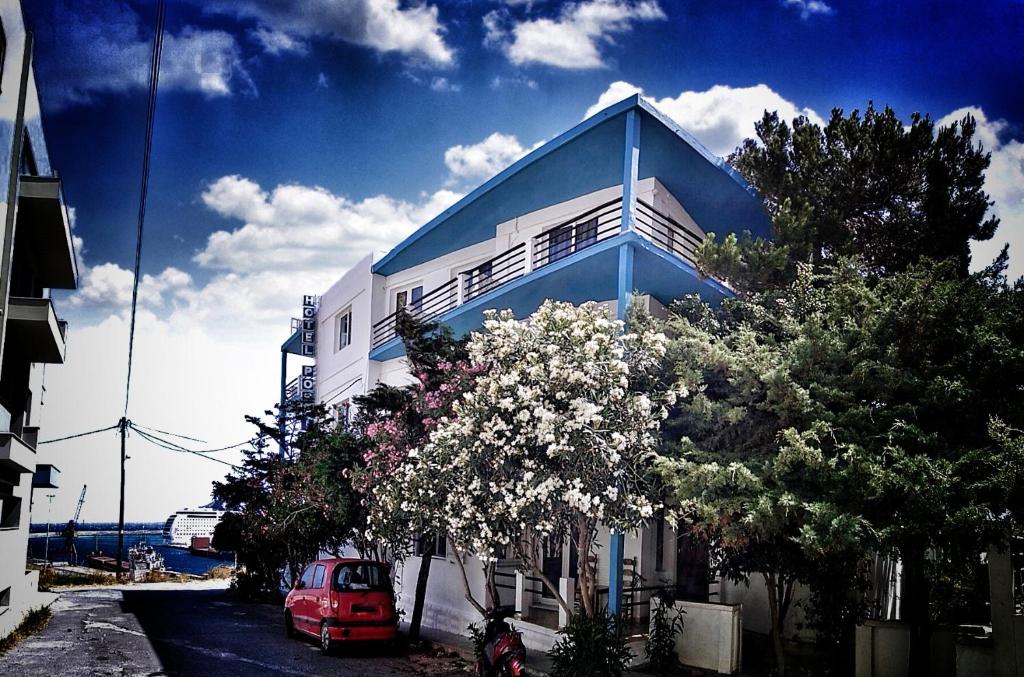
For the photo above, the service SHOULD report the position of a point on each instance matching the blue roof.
(582, 160)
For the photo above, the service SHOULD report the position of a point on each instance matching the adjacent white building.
(36, 255)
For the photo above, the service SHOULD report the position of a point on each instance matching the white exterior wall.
(342, 374)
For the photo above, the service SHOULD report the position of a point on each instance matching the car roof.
(348, 560)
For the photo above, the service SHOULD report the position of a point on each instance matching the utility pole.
(46, 551)
(123, 427)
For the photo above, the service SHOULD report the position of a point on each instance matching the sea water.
(105, 541)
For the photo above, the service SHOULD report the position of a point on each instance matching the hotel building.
(616, 205)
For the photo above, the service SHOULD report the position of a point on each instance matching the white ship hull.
(181, 527)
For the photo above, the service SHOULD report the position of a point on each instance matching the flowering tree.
(551, 441)
(393, 421)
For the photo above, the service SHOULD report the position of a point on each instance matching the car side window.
(307, 576)
(318, 576)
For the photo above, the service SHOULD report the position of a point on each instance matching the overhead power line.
(154, 78)
(181, 450)
(147, 431)
(71, 437)
(164, 432)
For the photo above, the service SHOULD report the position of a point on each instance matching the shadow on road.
(208, 632)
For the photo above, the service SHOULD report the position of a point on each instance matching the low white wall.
(712, 637)
(753, 595)
(883, 649)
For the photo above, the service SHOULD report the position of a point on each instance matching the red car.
(342, 600)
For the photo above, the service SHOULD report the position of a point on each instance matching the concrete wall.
(712, 637)
(753, 595)
(342, 373)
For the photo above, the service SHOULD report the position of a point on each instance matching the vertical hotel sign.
(307, 381)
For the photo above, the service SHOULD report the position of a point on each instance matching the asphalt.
(192, 631)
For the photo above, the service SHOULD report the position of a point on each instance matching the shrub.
(34, 621)
(476, 635)
(666, 625)
(591, 646)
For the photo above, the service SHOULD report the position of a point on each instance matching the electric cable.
(182, 448)
(71, 437)
(164, 432)
(155, 441)
(154, 77)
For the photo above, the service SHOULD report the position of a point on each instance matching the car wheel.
(289, 625)
(327, 645)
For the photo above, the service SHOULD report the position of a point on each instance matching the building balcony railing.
(554, 244)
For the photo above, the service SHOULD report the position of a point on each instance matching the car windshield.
(361, 576)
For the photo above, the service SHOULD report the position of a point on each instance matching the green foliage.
(862, 185)
(591, 645)
(846, 415)
(479, 639)
(285, 510)
(666, 626)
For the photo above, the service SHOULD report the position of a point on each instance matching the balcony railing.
(568, 237)
(666, 232)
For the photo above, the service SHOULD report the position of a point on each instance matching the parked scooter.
(504, 654)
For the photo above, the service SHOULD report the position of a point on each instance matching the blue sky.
(294, 137)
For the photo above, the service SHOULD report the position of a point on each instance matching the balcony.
(35, 333)
(15, 454)
(43, 223)
(580, 233)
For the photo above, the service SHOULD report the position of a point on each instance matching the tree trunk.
(771, 582)
(914, 607)
(465, 583)
(421, 593)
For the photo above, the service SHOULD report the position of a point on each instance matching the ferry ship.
(182, 526)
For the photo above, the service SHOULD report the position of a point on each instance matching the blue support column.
(616, 543)
(630, 169)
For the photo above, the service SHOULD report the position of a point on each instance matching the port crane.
(81, 500)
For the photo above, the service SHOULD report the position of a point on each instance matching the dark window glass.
(586, 233)
(559, 243)
(361, 576)
(307, 576)
(432, 545)
(659, 541)
(318, 576)
(417, 298)
(401, 299)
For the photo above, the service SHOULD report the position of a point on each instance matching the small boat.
(144, 558)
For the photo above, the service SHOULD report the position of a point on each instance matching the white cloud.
(322, 82)
(305, 228)
(486, 158)
(384, 25)
(720, 117)
(278, 42)
(439, 84)
(107, 50)
(808, 7)
(1004, 182)
(574, 39)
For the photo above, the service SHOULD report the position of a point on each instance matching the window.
(586, 233)
(5, 600)
(307, 576)
(559, 243)
(343, 413)
(659, 541)
(3, 54)
(344, 328)
(432, 545)
(411, 298)
(361, 576)
(318, 576)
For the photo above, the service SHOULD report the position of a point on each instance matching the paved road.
(194, 632)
